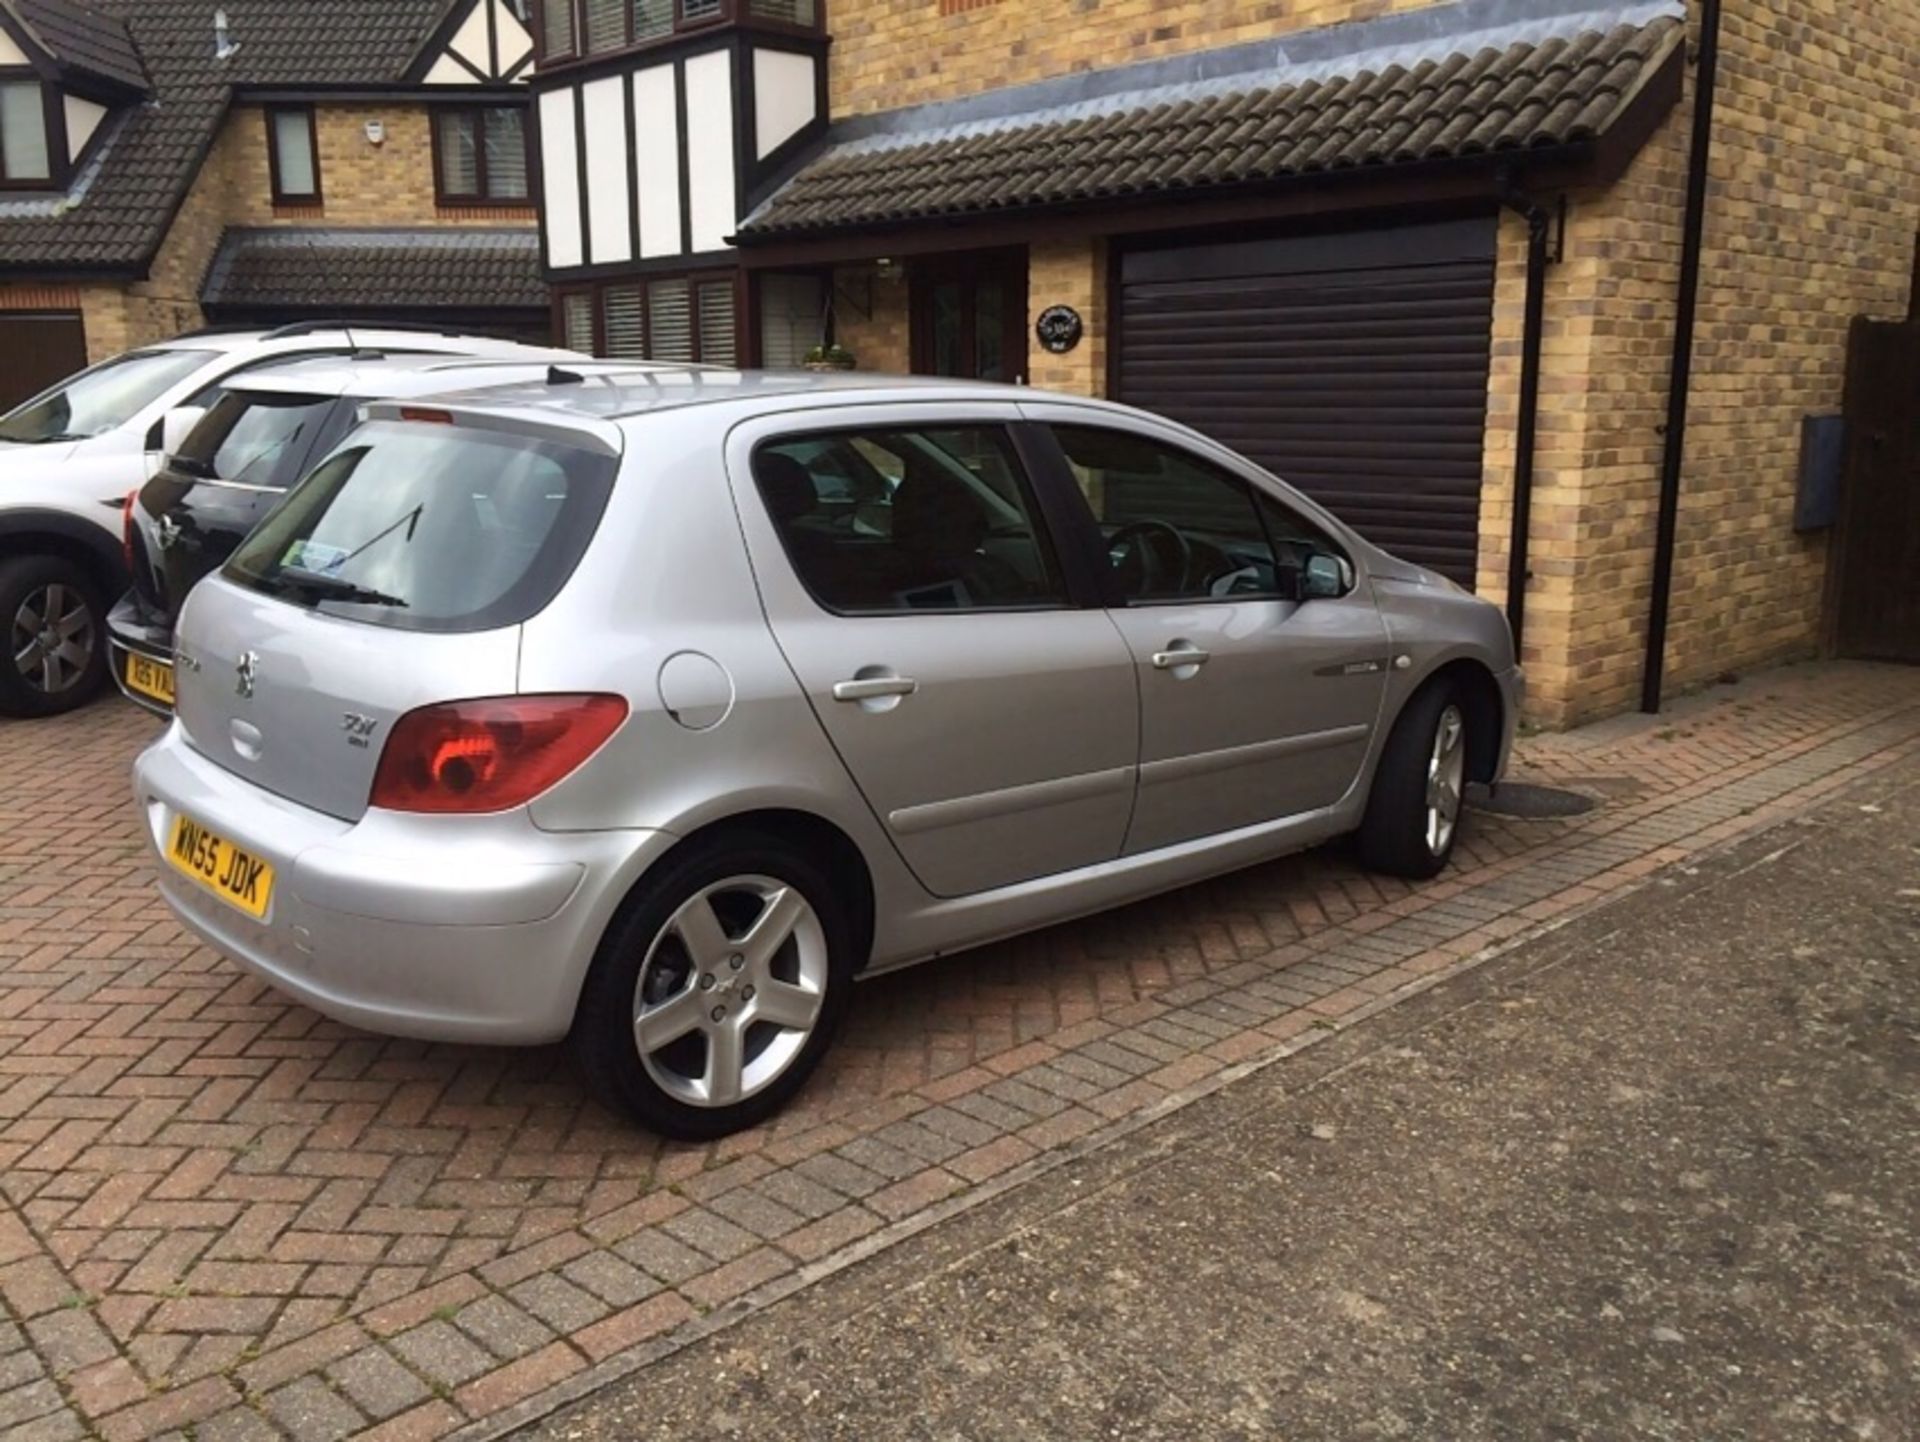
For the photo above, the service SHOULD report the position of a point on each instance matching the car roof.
(628, 394)
(379, 374)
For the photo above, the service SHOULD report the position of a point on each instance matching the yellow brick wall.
(1072, 272)
(870, 318)
(888, 53)
(361, 184)
(1811, 219)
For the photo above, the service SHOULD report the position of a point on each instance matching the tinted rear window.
(430, 528)
(254, 439)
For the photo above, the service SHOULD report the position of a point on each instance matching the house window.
(556, 27)
(26, 157)
(293, 152)
(677, 319)
(480, 155)
(600, 27)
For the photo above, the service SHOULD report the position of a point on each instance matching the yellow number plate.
(150, 678)
(230, 872)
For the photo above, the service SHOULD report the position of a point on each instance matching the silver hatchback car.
(652, 709)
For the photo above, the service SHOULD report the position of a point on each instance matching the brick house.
(1311, 228)
(173, 163)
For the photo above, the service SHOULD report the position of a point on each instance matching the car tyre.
(717, 988)
(1413, 812)
(55, 624)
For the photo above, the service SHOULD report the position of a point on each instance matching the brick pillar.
(1069, 272)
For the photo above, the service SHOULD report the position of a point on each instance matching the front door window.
(969, 319)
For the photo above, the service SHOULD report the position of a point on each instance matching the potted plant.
(830, 358)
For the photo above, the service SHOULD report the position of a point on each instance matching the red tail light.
(126, 527)
(492, 754)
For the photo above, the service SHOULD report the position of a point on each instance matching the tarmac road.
(1656, 1175)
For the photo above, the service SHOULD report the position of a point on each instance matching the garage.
(1353, 364)
(35, 351)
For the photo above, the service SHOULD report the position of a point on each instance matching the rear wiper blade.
(332, 588)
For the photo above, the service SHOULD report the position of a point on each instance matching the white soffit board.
(710, 193)
(83, 118)
(515, 41)
(609, 204)
(783, 96)
(560, 172)
(656, 133)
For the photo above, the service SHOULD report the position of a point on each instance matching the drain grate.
(1528, 803)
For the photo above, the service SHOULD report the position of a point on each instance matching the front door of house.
(970, 316)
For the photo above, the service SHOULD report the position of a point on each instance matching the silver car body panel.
(1032, 776)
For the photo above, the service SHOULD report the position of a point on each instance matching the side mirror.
(1326, 578)
(176, 425)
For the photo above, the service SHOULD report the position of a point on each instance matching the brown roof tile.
(1554, 92)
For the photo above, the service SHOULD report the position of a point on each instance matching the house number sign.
(1059, 328)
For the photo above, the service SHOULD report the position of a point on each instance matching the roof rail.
(309, 327)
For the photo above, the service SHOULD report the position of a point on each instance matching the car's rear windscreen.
(254, 439)
(429, 527)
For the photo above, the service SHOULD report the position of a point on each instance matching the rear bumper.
(474, 929)
(131, 629)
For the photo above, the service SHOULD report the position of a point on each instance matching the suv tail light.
(126, 526)
(491, 754)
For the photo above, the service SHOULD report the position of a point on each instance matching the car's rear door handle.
(874, 687)
(1180, 656)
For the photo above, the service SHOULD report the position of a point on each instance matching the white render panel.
(448, 71)
(560, 174)
(11, 54)
(783, 96)
(657, 132)
(83, 118)
(710, 190)
(514, 39)
(470, 40)
(609, 195)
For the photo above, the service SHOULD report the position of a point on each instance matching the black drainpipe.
(1681, 383)
(1538, 224)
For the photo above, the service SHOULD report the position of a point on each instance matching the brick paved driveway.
(219, 1211)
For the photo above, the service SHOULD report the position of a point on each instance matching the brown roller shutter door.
(1353, 366)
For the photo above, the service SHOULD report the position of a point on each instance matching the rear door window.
(899, 519)
(431, 527)
(253, 438)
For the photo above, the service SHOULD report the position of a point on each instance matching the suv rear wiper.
(332, 588)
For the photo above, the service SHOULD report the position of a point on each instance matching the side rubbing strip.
(1179, 768)
(911, 820)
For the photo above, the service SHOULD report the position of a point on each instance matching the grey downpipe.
(1681, 382)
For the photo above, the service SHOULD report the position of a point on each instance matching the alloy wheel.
(53, 638)
(1446, 779)
(731, 988)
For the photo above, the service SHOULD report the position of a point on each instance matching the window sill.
(485, 210)
(300, 210)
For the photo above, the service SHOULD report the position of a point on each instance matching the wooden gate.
(1876, 548)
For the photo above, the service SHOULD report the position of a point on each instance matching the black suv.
(269, 429)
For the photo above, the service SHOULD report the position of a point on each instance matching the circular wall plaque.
(1059, 328)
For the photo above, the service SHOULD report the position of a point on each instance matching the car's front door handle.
(874, 688)
(1180, 657)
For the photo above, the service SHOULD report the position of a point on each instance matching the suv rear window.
(254, 439)
(427, 527)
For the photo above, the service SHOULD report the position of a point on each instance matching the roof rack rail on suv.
(310, 327)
